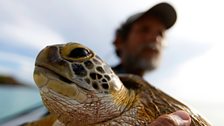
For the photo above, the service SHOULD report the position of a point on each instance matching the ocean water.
(16, 101)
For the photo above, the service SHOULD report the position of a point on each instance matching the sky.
(192, 64)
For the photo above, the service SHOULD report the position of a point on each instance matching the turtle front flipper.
(157, 102)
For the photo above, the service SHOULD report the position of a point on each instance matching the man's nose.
(154, 37)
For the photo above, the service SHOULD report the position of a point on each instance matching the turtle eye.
(76, 52)
(79, 53)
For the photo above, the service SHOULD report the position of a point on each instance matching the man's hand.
(178, 118)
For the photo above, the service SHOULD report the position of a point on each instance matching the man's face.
(143, 45)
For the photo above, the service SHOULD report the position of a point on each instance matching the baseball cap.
(164, 11)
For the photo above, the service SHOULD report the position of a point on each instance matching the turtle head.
(73, 80)
(75, 64)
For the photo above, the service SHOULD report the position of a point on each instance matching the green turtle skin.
(79, 88)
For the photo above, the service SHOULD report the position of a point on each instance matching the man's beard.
(136, 61)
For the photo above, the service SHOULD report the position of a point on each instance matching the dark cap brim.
(164, 11)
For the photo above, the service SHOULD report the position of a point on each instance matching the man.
(139, 43)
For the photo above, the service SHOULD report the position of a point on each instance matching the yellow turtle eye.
(76, 52)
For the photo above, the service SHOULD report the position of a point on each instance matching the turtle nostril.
(79, 53)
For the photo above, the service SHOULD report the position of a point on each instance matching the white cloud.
(22, 69)
(199, 79)
(200, 21)
(30, 34)
(21, 29)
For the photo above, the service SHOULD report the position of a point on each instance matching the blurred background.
(191, 69)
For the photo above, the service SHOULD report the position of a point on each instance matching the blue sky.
(192, 65)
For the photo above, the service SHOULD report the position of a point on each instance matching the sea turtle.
(79, 88)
